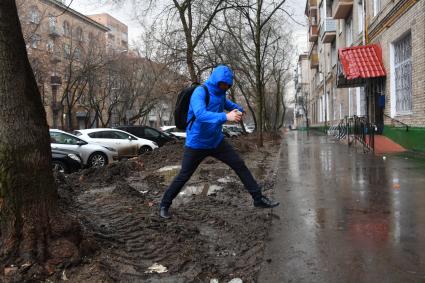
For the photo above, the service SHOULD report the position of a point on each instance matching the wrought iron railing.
(356, 130)
(339, 131)
(397, 123)
(360, 130)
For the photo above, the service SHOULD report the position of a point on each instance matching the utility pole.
(364, 23)
(324, 62)
(365, 41)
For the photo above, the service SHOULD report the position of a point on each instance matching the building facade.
(64, 47)
(117, 36)
(398, 28)
(302, 91)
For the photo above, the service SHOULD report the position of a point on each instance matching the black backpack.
(182, 106)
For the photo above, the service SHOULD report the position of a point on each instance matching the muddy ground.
(215, 231)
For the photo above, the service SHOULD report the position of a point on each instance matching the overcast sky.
(126, 15)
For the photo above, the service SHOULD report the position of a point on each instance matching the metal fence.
(357, 130)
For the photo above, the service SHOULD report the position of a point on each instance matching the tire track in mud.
(218, 236)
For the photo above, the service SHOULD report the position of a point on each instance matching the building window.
(333, 53)
(52, 22)
(403, 75)
(66, 29)
(50, 46)
(79, 34)
(360, 15)
(35, 41)
(322, 13)
(350, 103)
(34, 15)
(349, 32)
(361, 101)
(67, 51)
(376, 7)
(124, 36)
(91, 37)
(78, 53)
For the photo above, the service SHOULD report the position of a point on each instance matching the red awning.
(362, 62)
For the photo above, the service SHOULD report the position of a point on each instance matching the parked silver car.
(126, 144)
(92, 155)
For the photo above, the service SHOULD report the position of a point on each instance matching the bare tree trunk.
(276, 118)
(258, 64)
(191, 65)
(282, 121)
(32, 228)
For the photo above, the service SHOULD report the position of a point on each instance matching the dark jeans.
(193, 157)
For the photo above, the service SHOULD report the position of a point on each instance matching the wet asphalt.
(345, 216)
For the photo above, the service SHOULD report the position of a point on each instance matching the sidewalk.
(345, 216)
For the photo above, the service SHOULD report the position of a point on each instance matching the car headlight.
(110, 148)
(74, 157)
(155, 144)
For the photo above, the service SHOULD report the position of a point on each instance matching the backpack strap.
(207, 95)
(207, 101)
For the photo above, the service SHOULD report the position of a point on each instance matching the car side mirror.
(81, 143)
(129, 138)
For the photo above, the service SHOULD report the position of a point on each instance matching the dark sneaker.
(163, 212)
(264, 202)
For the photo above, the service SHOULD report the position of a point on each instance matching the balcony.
(343, 9)
(312, 4)
(314, 60)
(313, 33)
(328, 30)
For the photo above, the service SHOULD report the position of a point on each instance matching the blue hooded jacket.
(206, 131)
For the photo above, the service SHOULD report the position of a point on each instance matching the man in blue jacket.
(205, 138)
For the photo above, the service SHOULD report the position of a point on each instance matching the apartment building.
(117, 36)
(57, 39)
(63, 46)
(302, 82)
(367, 58)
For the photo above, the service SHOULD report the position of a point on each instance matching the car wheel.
(144, 149)
(59, 166)
(97, 160)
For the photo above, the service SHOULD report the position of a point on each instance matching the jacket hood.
(221, 73)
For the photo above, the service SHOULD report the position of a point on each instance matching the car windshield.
(62, 138)
(151, 133)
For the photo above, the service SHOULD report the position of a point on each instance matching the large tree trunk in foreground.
(32, 229)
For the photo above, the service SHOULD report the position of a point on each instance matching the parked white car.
(92, 155)
(173, 130)
(126, 144)
(249, 128)
(234, 128)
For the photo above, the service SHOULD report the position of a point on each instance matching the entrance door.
(375, 89)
